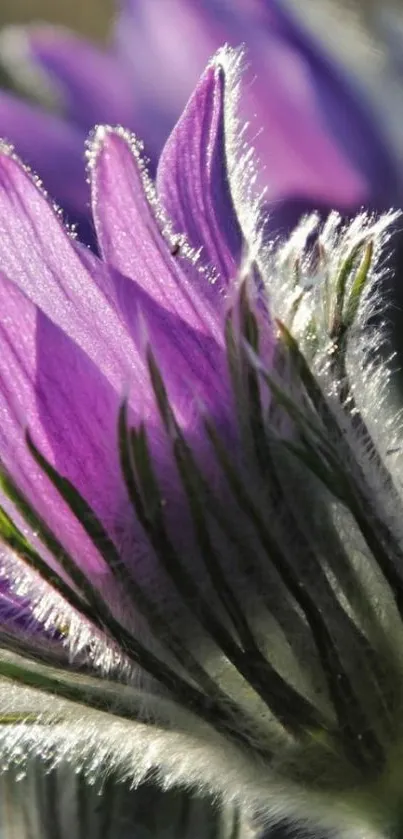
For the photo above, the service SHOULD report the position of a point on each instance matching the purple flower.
(336, 158)
(113, 328)
(196, 502)
(102, 365)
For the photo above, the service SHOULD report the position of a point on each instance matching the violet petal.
(193, 365)
(50, 387)
(39, 256)
(192, 179)
(130, 234)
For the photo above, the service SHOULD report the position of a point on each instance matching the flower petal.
(39, 256)
(193, 365)
(49, 386)
(130, 233)
(192, 179)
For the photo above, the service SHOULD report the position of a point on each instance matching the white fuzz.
(242, 162)
(75, 637)
(183, 753)
(301, 287)
(93, 148)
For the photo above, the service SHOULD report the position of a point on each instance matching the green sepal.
(134, 649)
(153, 615)
(358, 286)
(291, 708)
(345, 271)
(351, 485)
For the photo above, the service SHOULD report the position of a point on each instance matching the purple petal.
(192, 178)
(130, 235)
(93, 83)
(78, 413)
(52, 147)
(48, 385)
(193, 365)
(39, 256)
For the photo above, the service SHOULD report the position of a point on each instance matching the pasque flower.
(201, 512)
(336, 158)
